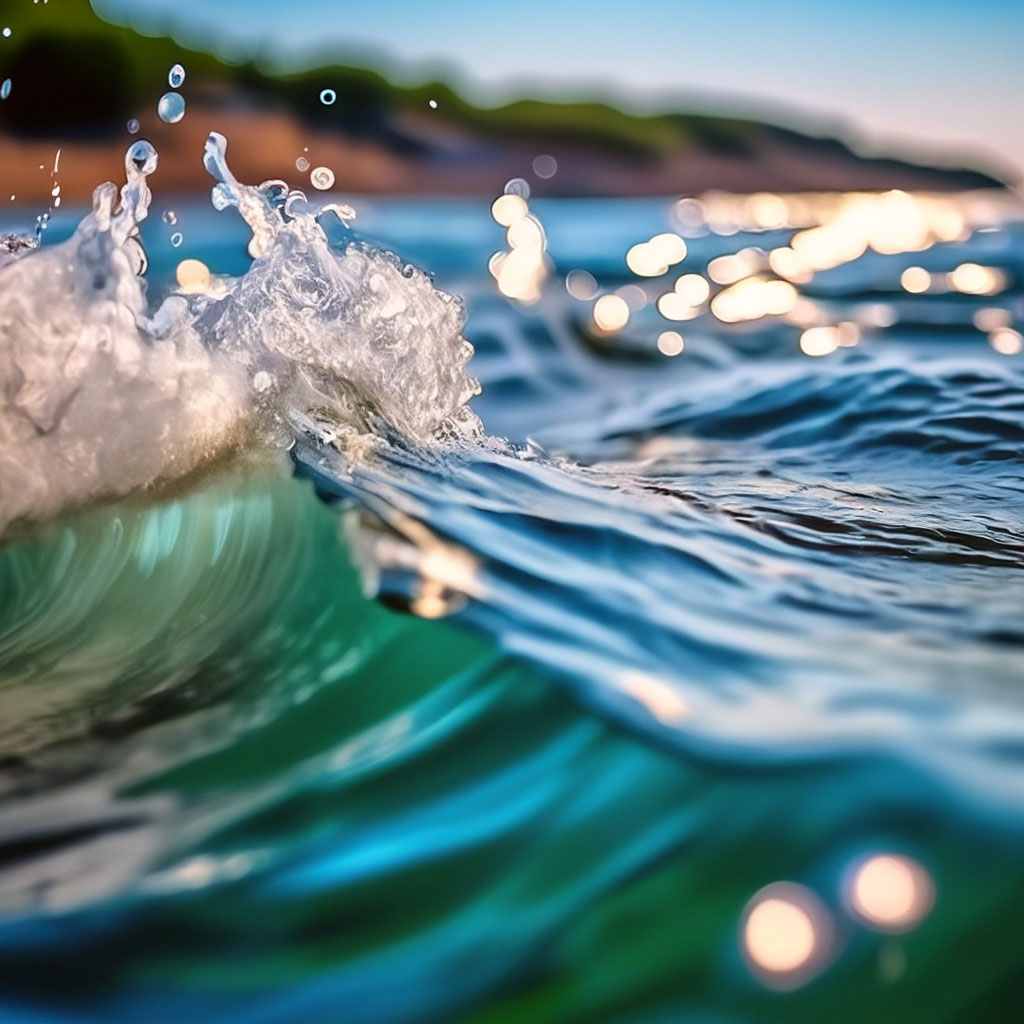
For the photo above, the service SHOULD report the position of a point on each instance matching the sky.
(929, 78)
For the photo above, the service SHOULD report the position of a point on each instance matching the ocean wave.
(103, 397)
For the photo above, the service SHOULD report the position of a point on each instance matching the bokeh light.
(581, 284)
(786, 935)
(891, 893)
(545, 166)
(508, 208)
(1006, 341)
(670, 343)
(611, 313)
(819, 341)
(915, 280)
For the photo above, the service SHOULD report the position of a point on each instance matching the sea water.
(724, 723)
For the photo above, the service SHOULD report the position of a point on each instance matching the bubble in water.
(262, 381)
(302, 164)
(321, 177)
(327, 97)
(169, 217)
(171, 107)
(176, 239)
(133, 125)
(518, 187)
(5, 89)
(175, 76)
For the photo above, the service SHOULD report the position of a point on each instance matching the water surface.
(712, 622)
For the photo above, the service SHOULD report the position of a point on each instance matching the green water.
(234, 788)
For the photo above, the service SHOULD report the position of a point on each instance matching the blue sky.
(926, 74)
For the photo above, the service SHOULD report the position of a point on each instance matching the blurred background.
(643, 98)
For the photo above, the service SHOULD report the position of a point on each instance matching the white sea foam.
(102, 396)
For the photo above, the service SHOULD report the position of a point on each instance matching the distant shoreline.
(266, 143)
(78, 80)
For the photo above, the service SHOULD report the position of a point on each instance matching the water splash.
(104, 396)
(99, 399)
(353, 342)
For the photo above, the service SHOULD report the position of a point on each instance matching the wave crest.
(102, 398)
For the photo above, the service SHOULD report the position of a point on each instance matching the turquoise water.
(709, 623)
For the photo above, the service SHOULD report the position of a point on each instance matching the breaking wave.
(104, 396)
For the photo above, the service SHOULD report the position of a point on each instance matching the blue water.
(712, 622)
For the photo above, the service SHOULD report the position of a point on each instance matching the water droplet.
(176, 239)
(169, 217)
(327, 97)
(171, 107)
(55, 191)
(432, 104)
(133, 126)
(518, 187)
(261, 381)
(7, 33)
(176, 76)
(142, 157)
(5, 89)
(321, 177)
(302, 164)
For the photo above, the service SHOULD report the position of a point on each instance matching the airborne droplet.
(142, 157)
(176, 239)
(302, 164)
(5, 89)
(176, 76)
(327, 97)
(171, 107)
(133, 126)
(169, 217)
(321, 177)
